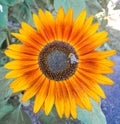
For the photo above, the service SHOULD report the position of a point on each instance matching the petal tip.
(23, 23)
(35, 110)
(5, 66)
(7, 76)
(23, 99)
(60, 9)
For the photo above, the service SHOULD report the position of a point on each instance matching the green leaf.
(5, 109)
(96, 116)
(18, 116)
(52, 118)
(28, 2)
(2, 36)
(3, 58)
(40, 4)
(93, 7)
(77, 5)
(25, 116)
(11, 2)
(71, 121)
(3, 16)
(24, 13)
(4, 83)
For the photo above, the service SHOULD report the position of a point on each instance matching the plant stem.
(8, 37)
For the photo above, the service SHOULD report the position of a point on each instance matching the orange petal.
(27, 41)
(31, 34)
(51, 24)
(31, 91)
(40, 27)
(68, 25)
(77, 25)
(32, 76)
(99, 61)
(23, 82)
(88, 91)
(33, 37)
(18, 73)
(97, 77)
(59, 100)
(49, 102)
(46, 27)
(60, 24)
(66, 100)
(86, 26)
(20, 56)
(41, 96)
(93, 45)
(95, 68)
(81, 94)
(19, 64)
(72, 100)
(27, 27)
(90, 83)
(23, 49)
(89, 40)
(90, 32)
(97, 55)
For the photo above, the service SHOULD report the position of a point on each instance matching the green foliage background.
(16, 11)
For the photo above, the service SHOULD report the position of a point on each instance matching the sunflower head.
(58, 62)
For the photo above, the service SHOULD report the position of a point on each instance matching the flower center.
(58, 60)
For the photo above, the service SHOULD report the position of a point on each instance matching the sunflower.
(57, 62)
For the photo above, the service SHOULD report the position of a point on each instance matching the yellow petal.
(34, 37)
(90, 83)
(80, 32)
(30, 92)
(77, 26)
(91, 31)
(88, 91)
(59, 100)
(49, 102)
(60, 24)
(26, 77)
(23, 49)
(20, 56)
(27, 41)
(41, 96)
(89, 40)
(81, 93)
(95, 68)
(80, 20)
(98, 60)
(66, 100)
(27, 28)
(72, 100)
(19, 83)
(40, 27)
(98, 55)
(68, 20)
(98, 78)
(51, 24)
(18, 73)
(93, 45)
(46, 27)
(19, 64)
